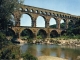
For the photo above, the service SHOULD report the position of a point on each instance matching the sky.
(66, 6)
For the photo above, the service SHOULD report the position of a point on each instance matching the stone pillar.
(17, 23)
(66, 26)
(58, 22)
(47, 24)
(33, 22)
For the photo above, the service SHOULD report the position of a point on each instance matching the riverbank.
(50, 58)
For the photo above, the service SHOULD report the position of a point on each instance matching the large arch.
(71, 24)
(52, 23)
(12, 19)
(42, 33)
(26, 20)
(54, 34)
(27, 33)
(63, 33)
(40, 22)
(10, 33)
(62, 24)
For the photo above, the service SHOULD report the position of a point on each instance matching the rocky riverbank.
(50, 58)
(62, 42)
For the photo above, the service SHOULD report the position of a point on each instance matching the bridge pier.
(58, 22)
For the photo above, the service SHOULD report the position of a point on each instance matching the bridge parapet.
(42, 11)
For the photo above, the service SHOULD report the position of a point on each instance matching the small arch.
(45, 13)
(26, 9)
(40, 22)
(27, 34)
(41, 12)
(31, 10)
(48, 13)
(20, 9)
(54, 34)
(42, 33)
(57, 14)
(36, 11)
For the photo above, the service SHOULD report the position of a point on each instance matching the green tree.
(6, 9)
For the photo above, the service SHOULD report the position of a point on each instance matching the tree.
(6, 9)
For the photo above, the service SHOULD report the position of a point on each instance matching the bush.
(28, 56)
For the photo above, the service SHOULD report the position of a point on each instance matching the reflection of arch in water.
(53, 34)
(42, 33)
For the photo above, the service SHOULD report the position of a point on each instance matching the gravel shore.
(50, 58)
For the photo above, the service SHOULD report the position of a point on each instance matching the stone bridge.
(47, 32)
(34, 12)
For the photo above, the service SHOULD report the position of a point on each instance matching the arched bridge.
(34, 12)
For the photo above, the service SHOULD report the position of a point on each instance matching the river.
(67, 52)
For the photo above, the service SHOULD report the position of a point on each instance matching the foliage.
(7, 50)
(10, 52)
(28, 56)
(39, 37)
(6, 10)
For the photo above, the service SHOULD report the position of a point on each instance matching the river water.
(70, 53)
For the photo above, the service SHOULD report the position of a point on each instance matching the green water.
(69, 53)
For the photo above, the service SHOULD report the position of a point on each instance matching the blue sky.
(66, 6)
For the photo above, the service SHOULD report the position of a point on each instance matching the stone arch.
(62, 23)
(28, 33)
(10, 32)
(52, 23)
(26, 20)
(12, 19)
(42, 33)
(40, 22)
(54, 34)
(71, 23)
(63, 32)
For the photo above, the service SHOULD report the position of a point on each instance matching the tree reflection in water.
(52, 50)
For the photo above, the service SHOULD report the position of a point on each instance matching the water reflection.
(51, 50)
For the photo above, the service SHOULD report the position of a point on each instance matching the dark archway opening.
(42, 33)
(10, 34)
(54, 34)
(63, 33)
(26, 34)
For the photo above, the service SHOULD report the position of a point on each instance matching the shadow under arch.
(63, 32)
(40, 21)
(26, 20)
(10, 33)
(27, 34)
(54, 34)
(42, 33)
